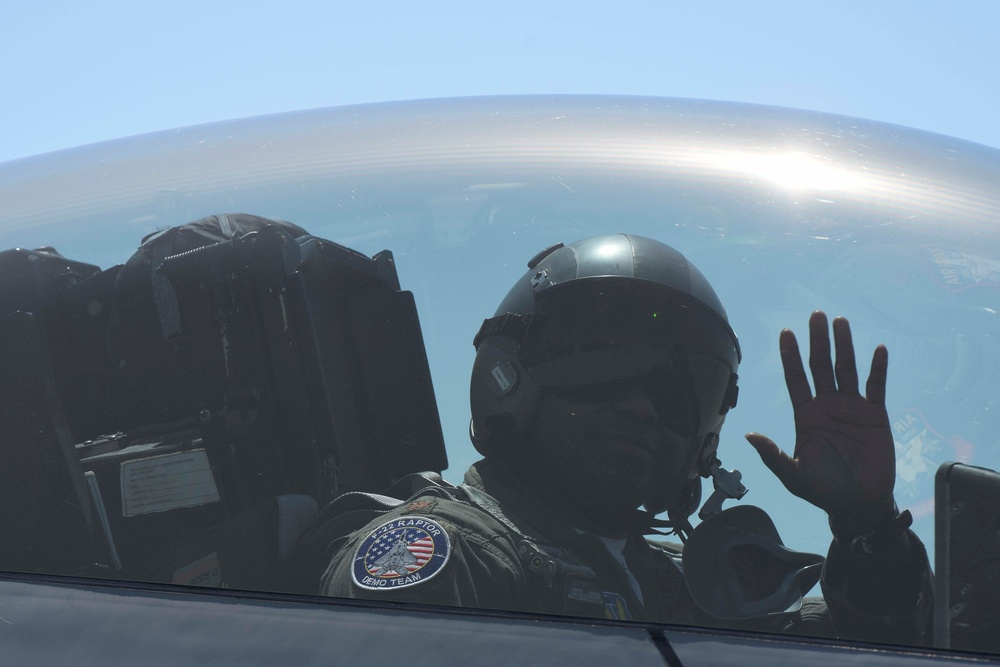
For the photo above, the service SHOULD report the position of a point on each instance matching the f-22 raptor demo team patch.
(405, 551)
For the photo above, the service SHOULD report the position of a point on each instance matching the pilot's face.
(604, 444)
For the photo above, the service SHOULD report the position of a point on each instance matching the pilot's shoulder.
(460, 519)
(439, 547)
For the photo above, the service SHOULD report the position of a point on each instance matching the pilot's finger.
(820, 362)
(784, 467)
(846, 368)
(795, 374)
(875, 389)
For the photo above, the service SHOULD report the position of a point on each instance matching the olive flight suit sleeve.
(431, 551)
(881, 594)
(884, 596)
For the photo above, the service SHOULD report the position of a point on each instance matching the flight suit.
(503, 550)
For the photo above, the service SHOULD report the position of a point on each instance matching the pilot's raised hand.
(844, 460)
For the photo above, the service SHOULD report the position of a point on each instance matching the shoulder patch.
(403, 552)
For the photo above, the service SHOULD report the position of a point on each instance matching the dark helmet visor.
(590, 332)
(674, 397)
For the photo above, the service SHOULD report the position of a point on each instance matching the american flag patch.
(405, 551)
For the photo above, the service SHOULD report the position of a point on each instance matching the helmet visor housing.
(586, 334)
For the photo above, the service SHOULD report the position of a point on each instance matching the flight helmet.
(603, 309)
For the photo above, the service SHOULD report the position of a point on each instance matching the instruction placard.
(167, 482)
(203, 572)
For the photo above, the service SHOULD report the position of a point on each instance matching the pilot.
(598, 392)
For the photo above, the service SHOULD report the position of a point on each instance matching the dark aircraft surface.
(171, 420)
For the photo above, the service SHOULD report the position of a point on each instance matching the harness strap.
(569, 586)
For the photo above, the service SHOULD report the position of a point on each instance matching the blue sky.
(76, 73)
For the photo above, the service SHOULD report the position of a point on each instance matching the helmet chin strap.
(647, 523)
(728, 485)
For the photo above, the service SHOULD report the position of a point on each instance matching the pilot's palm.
(844, 460)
